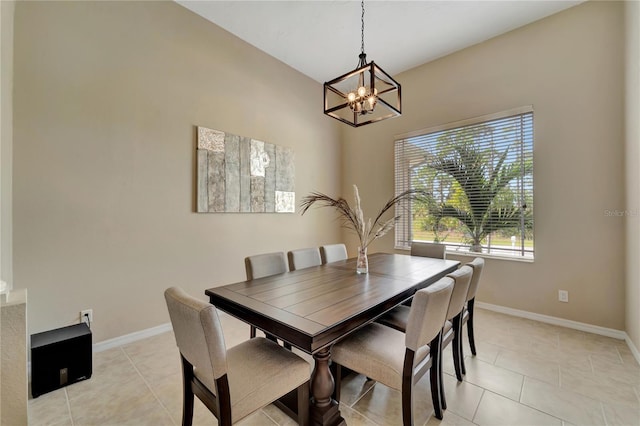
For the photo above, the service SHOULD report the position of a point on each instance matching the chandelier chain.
(362, 19)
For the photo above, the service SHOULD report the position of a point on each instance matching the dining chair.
(231, 383)
(264, 265)
(424, 249)
(477, 265)
(304, 258)
(435, 250)
(398, 319)
(452, 332)
(333, 252)
(398, 360)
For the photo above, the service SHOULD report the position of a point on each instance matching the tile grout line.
(604, 416)
(358, 399)
(148, 386)
(475, 412)
(560, 377)
(363, 416)
(68, 406)
(619, 356)
(520, 372)
(531, 407)
(352, 406)
(524, 377)
(593, 371)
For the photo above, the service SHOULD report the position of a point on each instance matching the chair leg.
(443, 399)
(407, 388)
(434, 375)
(456, 346)
(303, 404)
(407, 409)
(463, 369)
(252, 332)
(187, 395)
(472, 340)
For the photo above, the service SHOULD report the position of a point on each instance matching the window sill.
(483, 255)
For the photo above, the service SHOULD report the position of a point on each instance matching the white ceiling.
(322, 38)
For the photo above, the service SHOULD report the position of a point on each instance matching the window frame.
(402, 180)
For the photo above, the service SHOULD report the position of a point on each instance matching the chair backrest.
(265, 265)
(304, 258)
(333, 252)
(438, 251)
(462, 278)
(427, 314)
(198, 334)
(477, 264)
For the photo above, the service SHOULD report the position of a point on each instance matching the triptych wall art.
(240, 174)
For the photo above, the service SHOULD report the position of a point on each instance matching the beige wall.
(632, 127)
(570, 68)
(106, 99)
(7, 10)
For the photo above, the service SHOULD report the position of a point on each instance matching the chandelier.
(362, 96)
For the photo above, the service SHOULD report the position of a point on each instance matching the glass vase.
(362, 265)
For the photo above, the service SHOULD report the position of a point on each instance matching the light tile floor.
(525, 373)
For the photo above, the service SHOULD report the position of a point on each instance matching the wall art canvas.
(240, 174)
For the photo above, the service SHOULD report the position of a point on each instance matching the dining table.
(313, 308)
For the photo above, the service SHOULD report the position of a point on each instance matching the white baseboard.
(135, 336)
(589, 328)
(130, 338)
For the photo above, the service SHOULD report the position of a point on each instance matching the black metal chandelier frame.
(360, 115)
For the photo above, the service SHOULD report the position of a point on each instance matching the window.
(478, 175)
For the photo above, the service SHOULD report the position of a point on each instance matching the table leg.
(324, 410)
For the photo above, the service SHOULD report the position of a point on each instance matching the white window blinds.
(478, 175)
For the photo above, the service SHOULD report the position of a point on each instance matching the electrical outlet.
(563, 296)
(87, 316)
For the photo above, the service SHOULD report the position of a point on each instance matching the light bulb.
(351, 96)
(362, 91)
(372, 101)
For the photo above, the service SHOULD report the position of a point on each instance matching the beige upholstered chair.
(438, 251)
(467, 316)
(398, 319)
(304, 258)
(452, 331)
(264, 265)
(397, 359)
(236, 382)
(333, 253)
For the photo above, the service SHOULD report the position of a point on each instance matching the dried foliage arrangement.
(353, 217)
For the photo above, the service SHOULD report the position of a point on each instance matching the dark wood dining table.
(313, 308)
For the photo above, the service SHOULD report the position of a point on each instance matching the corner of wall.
(632, 149)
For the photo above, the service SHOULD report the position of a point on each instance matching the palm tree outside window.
(479, 177)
